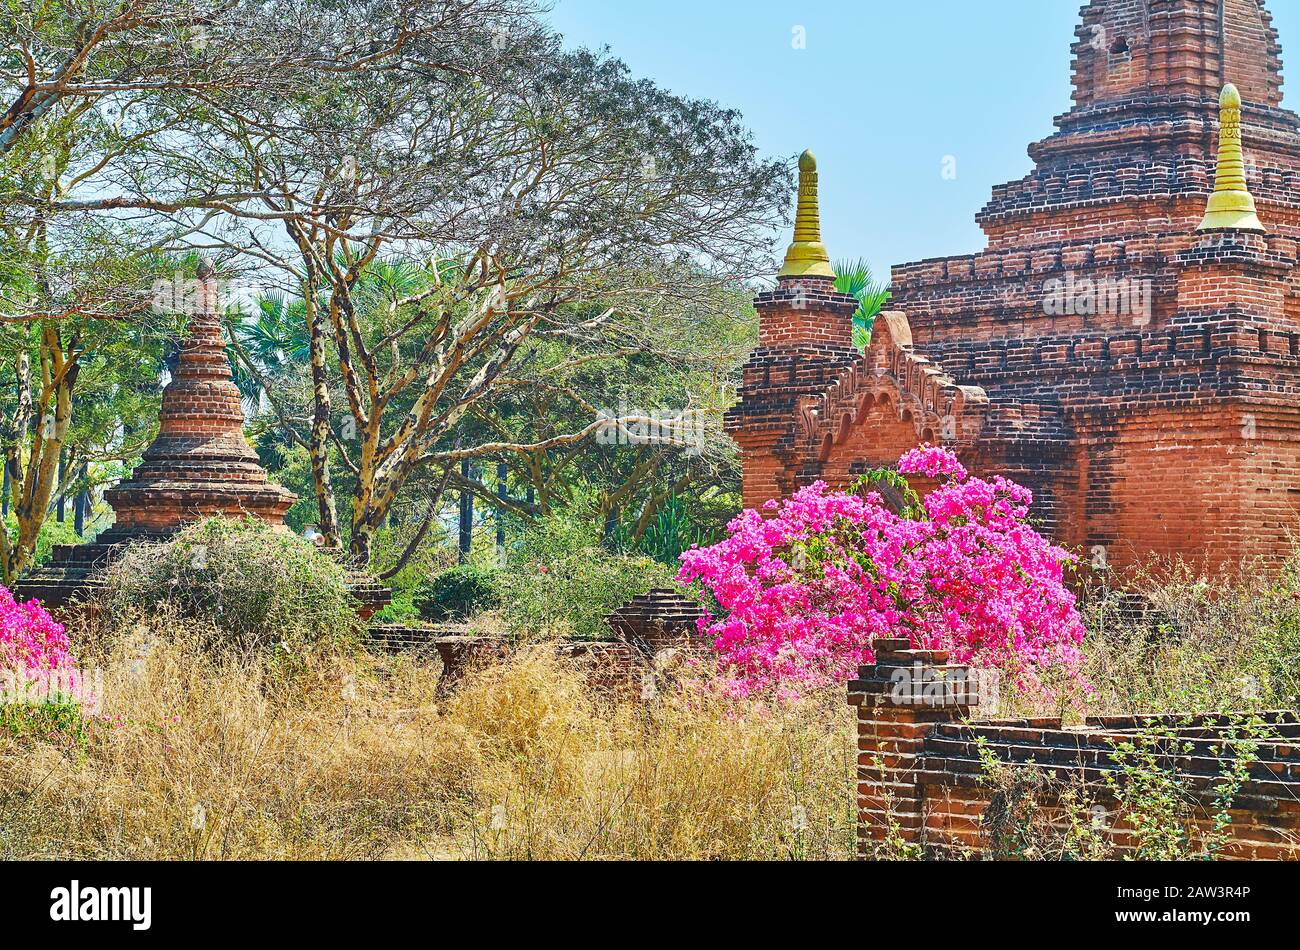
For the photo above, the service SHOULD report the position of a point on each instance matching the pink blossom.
(35, 659)
(31, 641)
(804, 592)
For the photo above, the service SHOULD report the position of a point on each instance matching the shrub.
(30, 639)
(458, 594)
(807, 590)
(563, 582)
(258, 585)
(431, 557)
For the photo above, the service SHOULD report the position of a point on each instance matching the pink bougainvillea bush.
(34, 651)
(804, 592)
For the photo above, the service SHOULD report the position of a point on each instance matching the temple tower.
(805, 340)
(200, 465)
(1127, 345)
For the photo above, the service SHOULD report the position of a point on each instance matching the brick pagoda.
(1129, 355)
(199, 466)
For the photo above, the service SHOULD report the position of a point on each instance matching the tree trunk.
(466, 515)
(318, 444)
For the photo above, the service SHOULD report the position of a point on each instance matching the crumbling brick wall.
(922, 782)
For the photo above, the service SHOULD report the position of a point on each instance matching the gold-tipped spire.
(1231, 206)
(807, 256)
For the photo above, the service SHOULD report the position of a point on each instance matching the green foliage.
(1157, 800)
(458, 594)
(65, 721)
(430, 558)
(52, 532)
(672, 531)
(855, 278)
(894, 488)
(563, 581)
(261, 587)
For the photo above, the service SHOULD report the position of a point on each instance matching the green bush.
(458, 594)
(259, 586)
(562, 581)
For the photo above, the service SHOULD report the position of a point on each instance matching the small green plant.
(48, 721)
(1152, 793)
(892, 846)
(1018, 824)
(1156, 797)
(458, 594)
(563, 581)
(671, 533)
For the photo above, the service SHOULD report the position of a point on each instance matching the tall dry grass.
(198, 756)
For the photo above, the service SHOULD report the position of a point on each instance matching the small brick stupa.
(1128, 343)
(199, 466)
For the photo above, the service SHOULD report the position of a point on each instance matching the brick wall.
(1141, 377)
(920, 773)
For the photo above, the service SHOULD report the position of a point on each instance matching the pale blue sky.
(883, 92)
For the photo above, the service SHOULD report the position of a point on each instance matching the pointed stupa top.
(807, 255)
(1231, 207)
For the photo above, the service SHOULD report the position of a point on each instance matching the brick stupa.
(1132, 358)
(200, 465)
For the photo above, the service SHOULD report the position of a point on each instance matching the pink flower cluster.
(31, 641)
(807, 590)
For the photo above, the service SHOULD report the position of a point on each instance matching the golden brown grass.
(354, 757)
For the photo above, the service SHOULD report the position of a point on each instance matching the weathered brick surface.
(1164, 421)
(920, 774)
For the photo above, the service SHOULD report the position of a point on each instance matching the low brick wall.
(657, 634)
(920, 770)
(612, 667)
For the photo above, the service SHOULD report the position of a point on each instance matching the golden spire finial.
(807, 256)
(1231, 206)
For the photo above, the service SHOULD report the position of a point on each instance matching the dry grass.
(354, 757)
(350, 756)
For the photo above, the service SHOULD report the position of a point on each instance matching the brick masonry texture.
(1142, 378)
(200, 465)
(919, 766)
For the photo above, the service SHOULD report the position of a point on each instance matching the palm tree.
(274, 338)
(854, 277)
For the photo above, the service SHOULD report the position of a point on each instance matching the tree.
(530, 194)
(67, 54)
(533, 182)
(93, 94)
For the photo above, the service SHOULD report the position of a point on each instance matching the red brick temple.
(199, 466)
(1130, 355)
